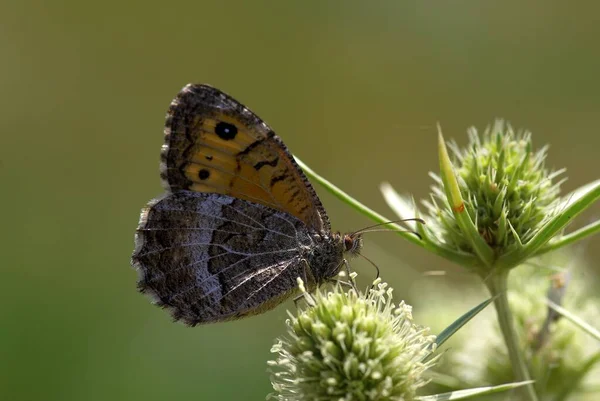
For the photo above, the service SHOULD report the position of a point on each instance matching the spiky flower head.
(351, 346)
(507, 191)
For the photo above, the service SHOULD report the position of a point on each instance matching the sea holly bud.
(506, 189)
(494, 203)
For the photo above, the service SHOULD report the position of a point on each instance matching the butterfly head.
(353, 243)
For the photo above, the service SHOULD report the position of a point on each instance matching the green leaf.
(583, 232)
(468, 228)
(460, 322)
(457, 324)
(572, 205)
(574, 319)
(464, 394)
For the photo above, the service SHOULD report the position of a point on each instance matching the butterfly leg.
(309, 285)
(344, 283)
(349, 273)
(297, 299)
(350, 283)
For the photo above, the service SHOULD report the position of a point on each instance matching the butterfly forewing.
(215, 144)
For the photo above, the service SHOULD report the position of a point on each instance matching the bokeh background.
(354, 88)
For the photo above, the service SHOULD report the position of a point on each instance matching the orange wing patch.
(214, 144)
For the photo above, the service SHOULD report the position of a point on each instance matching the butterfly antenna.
(391, 230)
(371, 262)
(369, 228)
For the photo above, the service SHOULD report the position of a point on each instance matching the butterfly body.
(239, 223)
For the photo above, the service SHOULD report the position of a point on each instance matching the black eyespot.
(208, 157)
(203, 174)
(226, 131)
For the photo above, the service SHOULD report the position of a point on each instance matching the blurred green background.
(354, 88)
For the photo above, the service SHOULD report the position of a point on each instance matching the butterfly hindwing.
(215, 144)
(209, 257)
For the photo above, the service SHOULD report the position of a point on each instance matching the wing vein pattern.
(217, 255)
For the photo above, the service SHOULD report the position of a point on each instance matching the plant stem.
(497, 284)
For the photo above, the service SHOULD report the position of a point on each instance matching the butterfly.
(239, 221)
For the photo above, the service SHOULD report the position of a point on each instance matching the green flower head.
(495, 204)
(351, 346)
(507, 191)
